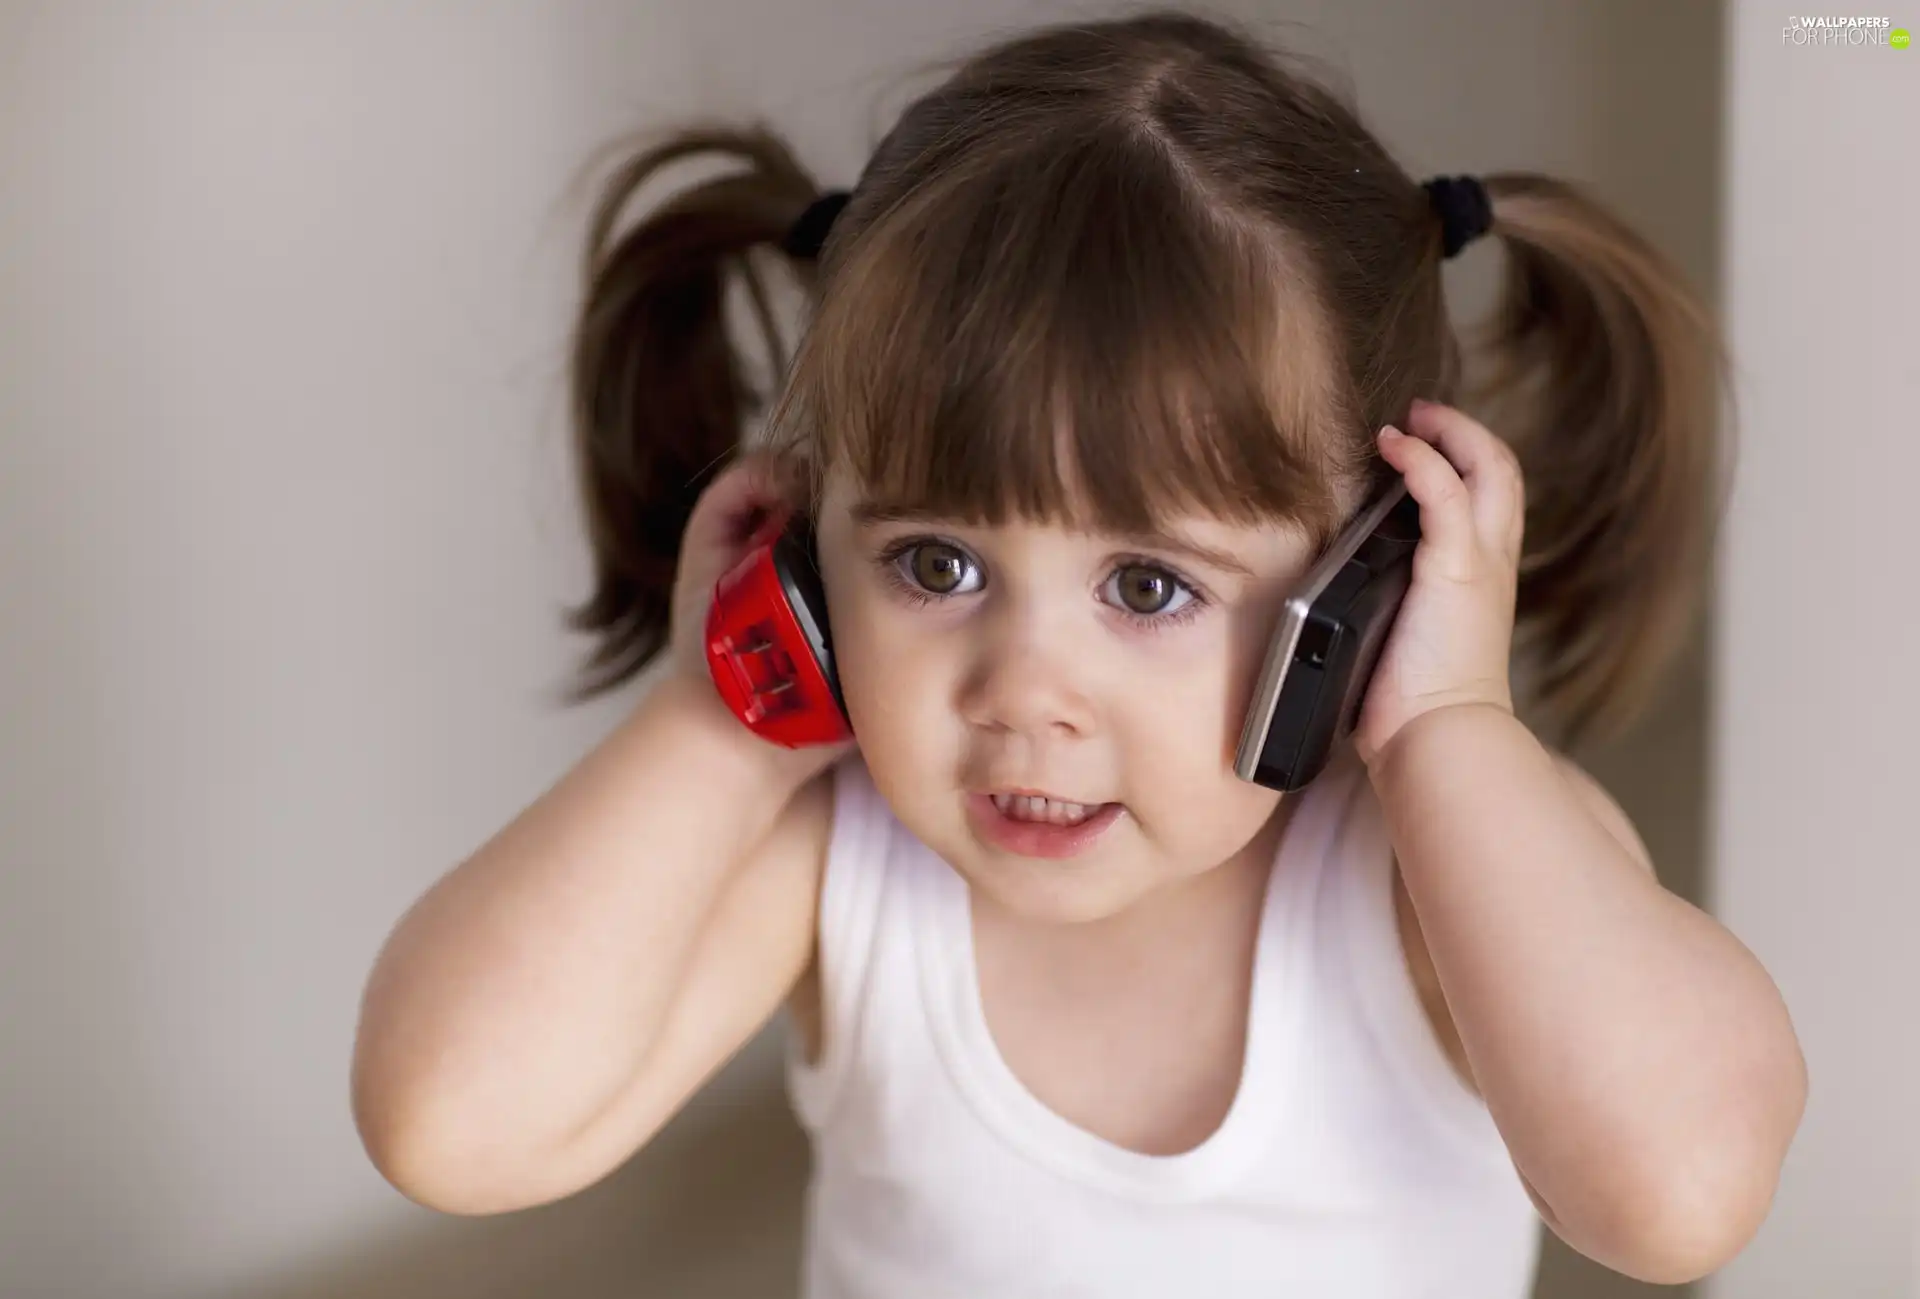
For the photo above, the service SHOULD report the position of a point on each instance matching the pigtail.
(1605, 371)
(659, 394)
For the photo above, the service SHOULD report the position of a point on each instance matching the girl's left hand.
(1452, 639)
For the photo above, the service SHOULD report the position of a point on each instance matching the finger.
(1447, 529)
(745, 499)
(1485, 463)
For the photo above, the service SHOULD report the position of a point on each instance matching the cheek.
(1191, 802)
(1195, 697)
(1185, 761)
(1181, 735)
(895, 679)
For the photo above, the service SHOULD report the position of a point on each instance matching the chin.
(1073, 892)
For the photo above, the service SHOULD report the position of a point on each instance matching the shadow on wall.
(709, 1210)
(1656, 137)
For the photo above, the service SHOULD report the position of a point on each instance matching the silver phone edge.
(1273, 672)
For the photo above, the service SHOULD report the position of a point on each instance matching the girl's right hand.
(744, 506)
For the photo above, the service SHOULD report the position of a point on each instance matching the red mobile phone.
(768, 646)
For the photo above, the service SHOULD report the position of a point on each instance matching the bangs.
(1072, 339)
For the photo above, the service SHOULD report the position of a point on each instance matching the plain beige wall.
(285, 531)
(1817, 696)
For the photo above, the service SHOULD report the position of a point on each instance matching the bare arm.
(1639, 1061)
(553, 1000)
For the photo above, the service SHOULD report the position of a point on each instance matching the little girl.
(1117, 327)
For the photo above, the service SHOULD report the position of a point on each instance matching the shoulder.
(807, 822)
(838, 823)
(836, 805)
(806, 828)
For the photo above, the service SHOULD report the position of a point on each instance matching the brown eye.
(1144, 590)
(1147, 592)
(938, 569)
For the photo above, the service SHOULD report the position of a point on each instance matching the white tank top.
(1353, 1163)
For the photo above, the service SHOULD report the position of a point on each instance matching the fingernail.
(1390, 432)
(1421, 403)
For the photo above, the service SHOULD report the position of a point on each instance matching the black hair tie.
(1465, 211)
(808, 234)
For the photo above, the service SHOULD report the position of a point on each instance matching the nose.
(1026, 683)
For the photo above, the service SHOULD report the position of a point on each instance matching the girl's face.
(1097, 669)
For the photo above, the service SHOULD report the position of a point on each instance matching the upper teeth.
(1023, 807)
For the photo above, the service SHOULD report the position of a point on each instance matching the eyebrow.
(868, 514)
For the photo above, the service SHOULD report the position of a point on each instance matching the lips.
(1030, 824)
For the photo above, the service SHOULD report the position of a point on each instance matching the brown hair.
(1151, 258)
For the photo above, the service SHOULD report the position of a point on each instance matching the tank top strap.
(859, 845)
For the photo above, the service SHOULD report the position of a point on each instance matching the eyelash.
(1198, 601)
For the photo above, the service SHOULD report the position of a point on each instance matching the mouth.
(1030, 823)
(1036, 808)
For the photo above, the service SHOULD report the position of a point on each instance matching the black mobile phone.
(1317, 669)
